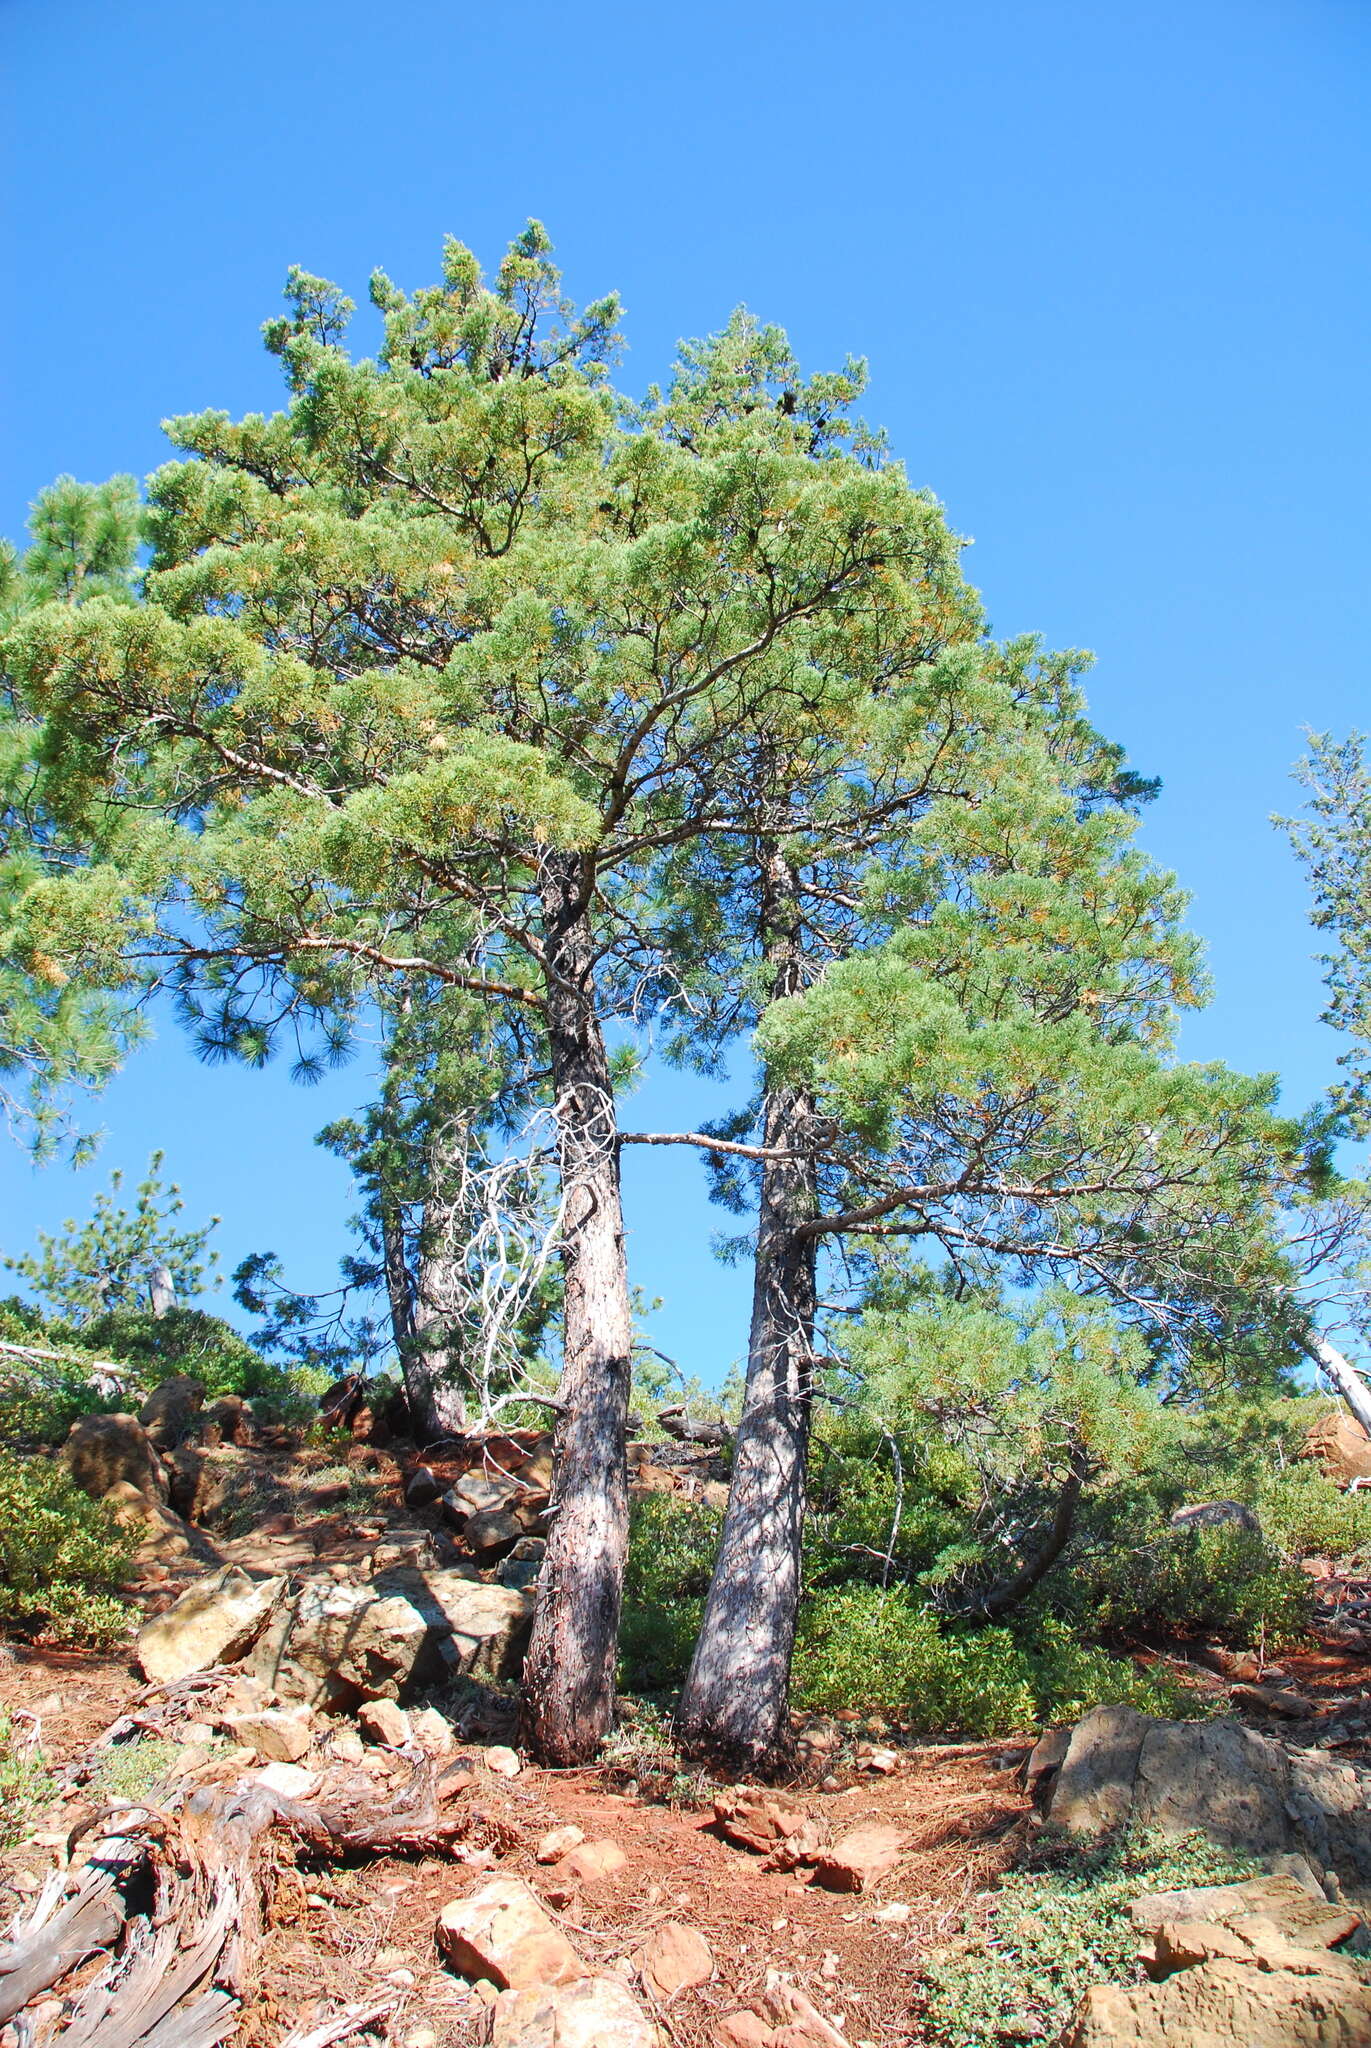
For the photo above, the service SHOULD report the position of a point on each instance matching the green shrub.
(1057, 1926)
(1308, 1516)
(1225, 1583)
(183, 1340)
(63, 1556)
(860, 1647)
(671, 1549)
(25, 1784)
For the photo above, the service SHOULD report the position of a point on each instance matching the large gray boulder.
(338, 1645)
(1246, 1791)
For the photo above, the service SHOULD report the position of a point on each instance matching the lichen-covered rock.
(1228, 2004)
(102, 1450)
(337, 1645)
(1243, 1790)
(483, 1629)
(215, 1621)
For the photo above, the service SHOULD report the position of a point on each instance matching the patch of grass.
(26, 1786)
(1058, 1925)
(129, 1770)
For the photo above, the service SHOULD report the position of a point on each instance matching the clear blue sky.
(1110, 267)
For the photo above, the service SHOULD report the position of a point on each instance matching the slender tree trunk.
(399, 1287)
(421, 1299)
(737, 1690)
(568, 1696)
(435, 1349)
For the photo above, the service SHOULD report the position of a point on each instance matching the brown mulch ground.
(364, 1933)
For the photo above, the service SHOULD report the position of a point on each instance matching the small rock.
(421, 1488)
(290, 1780)
(895, 1914)
(382, 1721)
(742, 2030)
(675, 1957)
(347, 1746)
(594, 2012)
(592, 1862)
(280, 1734)
(881, 1760)
(502, 1934)
(476, 1493)
(757, 1820)
(859, 1858)
(503, 1761)
(491, 1535)
(432, 1731)
(559, 1842)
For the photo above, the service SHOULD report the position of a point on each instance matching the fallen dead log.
(173, 1904)
(1275, 1699)
(412, 1823)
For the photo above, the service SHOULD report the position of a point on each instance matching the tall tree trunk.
(737, 1690)
(568, 1694)
(441, 1281)
(418, 1295)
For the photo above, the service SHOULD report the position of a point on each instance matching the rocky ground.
(312, 1739)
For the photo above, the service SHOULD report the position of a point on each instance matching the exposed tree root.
(149, 1940)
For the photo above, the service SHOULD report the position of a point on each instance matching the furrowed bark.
(736, 1696)
(568, 1693)
(436, 1365)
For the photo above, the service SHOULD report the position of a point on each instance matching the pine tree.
(112, 1261)
(432, 668)
(55, 1038)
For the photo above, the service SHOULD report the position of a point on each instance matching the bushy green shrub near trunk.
(63, 1557)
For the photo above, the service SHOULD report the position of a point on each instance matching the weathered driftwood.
(1350, 1382)
(61, 1930)
(174, 1904)
(350, 2021)
(412, 1822)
